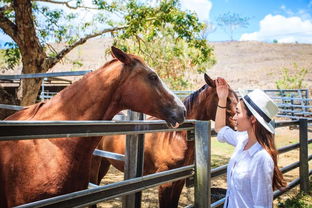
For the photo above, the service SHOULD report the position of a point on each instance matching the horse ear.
(120, 55)
(209, 81)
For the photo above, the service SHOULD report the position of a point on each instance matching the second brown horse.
(167, 150)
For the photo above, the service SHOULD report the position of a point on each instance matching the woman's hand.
(222, 89)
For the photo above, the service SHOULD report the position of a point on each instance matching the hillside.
(243, 64)
(259, 65)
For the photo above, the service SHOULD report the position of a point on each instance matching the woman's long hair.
(266, 140)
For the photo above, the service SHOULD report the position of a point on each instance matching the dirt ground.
(220, 156)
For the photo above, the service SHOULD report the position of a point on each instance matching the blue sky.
(286, 21)
(282, 20)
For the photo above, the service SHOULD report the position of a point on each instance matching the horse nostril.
(184, 113)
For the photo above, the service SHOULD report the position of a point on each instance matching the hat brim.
(265, 124)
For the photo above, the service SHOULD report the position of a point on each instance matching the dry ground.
(246, 64)
(220, 155)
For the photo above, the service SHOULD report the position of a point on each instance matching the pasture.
(221, 153)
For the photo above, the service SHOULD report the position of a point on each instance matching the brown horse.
(167, 150)
(31, 170)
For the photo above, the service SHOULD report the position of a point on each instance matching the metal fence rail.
(10, 130)
(289, 100)
(13, 130)
(43, 75)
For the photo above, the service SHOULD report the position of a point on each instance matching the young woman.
(252, 172)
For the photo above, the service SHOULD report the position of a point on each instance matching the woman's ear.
(253, 119)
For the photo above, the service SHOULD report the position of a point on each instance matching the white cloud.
(201, 7)
(304, 14)
(283, 29)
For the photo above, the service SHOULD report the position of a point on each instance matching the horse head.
(202, 104)
(142, 90)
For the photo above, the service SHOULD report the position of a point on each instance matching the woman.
(252, 173)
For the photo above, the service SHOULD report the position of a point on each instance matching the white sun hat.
(261, 106)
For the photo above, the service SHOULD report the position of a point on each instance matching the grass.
(301, 200)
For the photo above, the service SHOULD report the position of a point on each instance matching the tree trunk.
(28, 91)
(9, 99)
(32, 52)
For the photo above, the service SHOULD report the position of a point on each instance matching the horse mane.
(109, 63)
(28, 112)
(189, 100)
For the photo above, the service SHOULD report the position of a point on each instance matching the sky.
(287, 21)
(284, 21)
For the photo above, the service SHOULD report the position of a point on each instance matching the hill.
(243, 64)
(259, 65)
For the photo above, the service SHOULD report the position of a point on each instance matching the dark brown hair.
(266, 140)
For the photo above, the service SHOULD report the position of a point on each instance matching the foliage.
(301, 200)
(11, 55)
(230, 22)
(2, 62)
(173, 59)
(160, 23)
(292, 80)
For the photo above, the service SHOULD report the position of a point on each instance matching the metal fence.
(292, 103)
(17, 130)
(200, 171)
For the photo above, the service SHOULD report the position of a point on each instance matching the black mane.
(189, 100)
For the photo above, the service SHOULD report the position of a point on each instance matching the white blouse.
(249, 173)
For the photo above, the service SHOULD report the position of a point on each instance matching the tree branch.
(66, 3)
(51, 61)
(7, 25)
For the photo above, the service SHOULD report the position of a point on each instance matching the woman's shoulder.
(263, 157)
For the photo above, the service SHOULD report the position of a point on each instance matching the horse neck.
(201, 106)
(94, 97)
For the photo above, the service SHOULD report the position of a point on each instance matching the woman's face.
(242, 121)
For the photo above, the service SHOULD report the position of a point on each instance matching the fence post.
(303, 157)
(202, 164)
(134, 161)
(42, 89)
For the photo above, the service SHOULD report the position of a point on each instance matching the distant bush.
(292, 80)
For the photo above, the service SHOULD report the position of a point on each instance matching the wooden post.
(303, 157)
(202, 164)
(134, 163)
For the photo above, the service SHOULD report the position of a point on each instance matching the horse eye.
(153, 77)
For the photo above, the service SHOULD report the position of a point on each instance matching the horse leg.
(103, 169)
(99, 168)
(169, 194)
(94, 172)
(95, 168)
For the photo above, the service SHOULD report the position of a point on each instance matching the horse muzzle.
(176, 117)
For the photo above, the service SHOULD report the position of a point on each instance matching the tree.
(32, 24)
(173, 58)
(230, 22)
